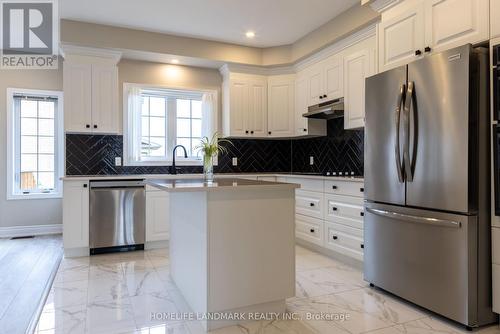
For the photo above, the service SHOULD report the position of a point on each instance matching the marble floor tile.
(110, 317)
(312, 261)
(138, 265)
(107, 289)
(106, 270)
(69, 319)
(430, 325)
(148, 306)
(268, 327)
(318, 282)
(144, 282)
(171, 328)
(74, 263)
(70, 275)
(159, 261)
(65, 294)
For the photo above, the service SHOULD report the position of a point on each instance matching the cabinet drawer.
(309, 203)
(343, 206)
(496, 288)
(495, 244)
(308, 184)
(309, 229)
(344, 188)
(344, 239)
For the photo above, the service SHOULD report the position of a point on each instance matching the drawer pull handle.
(334, 187)
(362, 246)
(311, 204)
(362, 189)
(85, 185)
(362, 214)
(335, 237)
(334, 209)
(312, 230)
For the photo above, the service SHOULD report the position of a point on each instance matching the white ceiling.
(275, 22)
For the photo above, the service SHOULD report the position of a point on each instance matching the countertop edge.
(262, 185)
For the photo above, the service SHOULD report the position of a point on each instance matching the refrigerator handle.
(397, 118)
(414, 219)
(406, 133)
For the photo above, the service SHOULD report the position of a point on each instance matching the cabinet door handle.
(251, 132)
(362, 214)
(95, 126)
(325, 96)
(334, 187)
(362, 246)
(85, 185)
(269, 132)
(311, 230)
(304, 130)
(87, 126)
(246, 131)
(418, 53)
(427, 49)
(335, 237)
(334, 209)
(321, 97)
(311, 204)
(362, 190)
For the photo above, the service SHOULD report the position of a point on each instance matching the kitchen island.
(232, 246)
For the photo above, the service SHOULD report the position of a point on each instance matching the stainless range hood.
(326, 110)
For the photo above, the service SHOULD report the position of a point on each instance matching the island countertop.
(218, 184)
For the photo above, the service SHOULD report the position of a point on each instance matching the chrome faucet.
(173, 169)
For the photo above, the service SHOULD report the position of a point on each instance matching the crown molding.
(71, 50)
(383, 5)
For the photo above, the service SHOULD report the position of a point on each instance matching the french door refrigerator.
(427, 191)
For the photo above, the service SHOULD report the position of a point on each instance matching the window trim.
(11, 141)
(179, 161)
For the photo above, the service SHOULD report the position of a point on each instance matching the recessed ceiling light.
(175, 61)
(250, 34)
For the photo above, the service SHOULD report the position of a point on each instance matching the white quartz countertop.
(199, 176)
(196, 185)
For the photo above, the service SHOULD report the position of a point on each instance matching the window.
(158, 119)
(34, 143)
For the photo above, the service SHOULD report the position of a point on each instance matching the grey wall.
(25, 212)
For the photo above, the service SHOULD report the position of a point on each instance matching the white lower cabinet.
(309, 229)
(76, 216)
(329, 214)
(157, 215)
(344, 239)
(495, 241)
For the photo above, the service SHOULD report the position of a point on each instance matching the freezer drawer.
(426, 257)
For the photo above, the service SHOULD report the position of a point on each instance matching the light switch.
(118, 161)
(235, 161)
(311, 160)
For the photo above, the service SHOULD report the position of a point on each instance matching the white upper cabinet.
(494, 18)
(244, 105)
(281, 105)
(77, 86)
(415, 28)
(301, 104)
(324, 80)
(357, 67)
(90, 84)
(451, 23)
(401, 38)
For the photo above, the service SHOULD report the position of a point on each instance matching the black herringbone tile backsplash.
(340, 151)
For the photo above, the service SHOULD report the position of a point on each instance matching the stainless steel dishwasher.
(117, 216)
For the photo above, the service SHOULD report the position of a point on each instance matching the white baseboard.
(24, 231)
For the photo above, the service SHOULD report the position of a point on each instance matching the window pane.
(28, 181)
(28, 126)
(46, 109)
(157, 106)
(196, 128)
(183, 128)
(186, 142)
(157, 126)
(28, 108)
(157, 146)
(145, 106)
(196, 109)
(46, 145)
(46, 127)
(183, 108)
(28, 144)
(28, 162)
(145, 126)
(195, 152)
(46, 162)
(45, 180)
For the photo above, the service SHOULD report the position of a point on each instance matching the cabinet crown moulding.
(68, 50)
(382, 5)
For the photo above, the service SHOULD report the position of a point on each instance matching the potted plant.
(211, 147)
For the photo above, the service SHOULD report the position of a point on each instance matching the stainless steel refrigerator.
(427, 191)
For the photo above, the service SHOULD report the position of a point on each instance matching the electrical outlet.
(118, 161)
(311, 160)
(235, 161)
